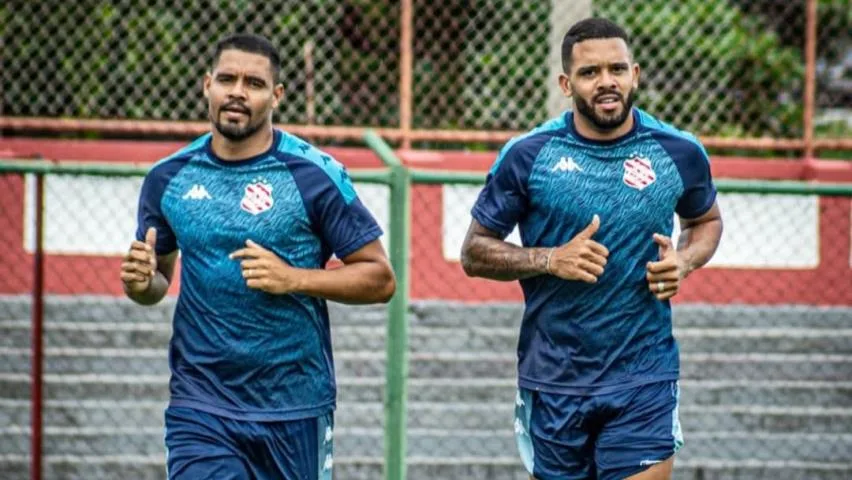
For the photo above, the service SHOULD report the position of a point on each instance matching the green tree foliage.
(714, 68)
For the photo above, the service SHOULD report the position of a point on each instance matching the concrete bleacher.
(766, 392)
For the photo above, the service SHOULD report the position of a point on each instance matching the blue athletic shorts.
(605, 437)
(201, 446)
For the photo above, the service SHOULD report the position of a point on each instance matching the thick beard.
(605, 124)
(236, 133)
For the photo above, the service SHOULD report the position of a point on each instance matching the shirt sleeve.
(150, 213)
(504, 200)
(693, 165)
(699, 192)
(337, 215)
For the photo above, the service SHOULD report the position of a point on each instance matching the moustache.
(235, 107)
(603, 94)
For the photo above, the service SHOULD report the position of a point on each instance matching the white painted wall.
(761, 231)
(92, 216)
(96, 216)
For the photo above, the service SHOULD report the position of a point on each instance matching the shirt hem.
(353, 246)
(701, 211)
(592, 390)
(255, 416)
(486, 221)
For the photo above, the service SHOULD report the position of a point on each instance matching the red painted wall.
(432, 276)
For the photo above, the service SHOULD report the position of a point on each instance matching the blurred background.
(93, 91)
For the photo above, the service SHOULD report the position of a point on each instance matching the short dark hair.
(250, 43)
(588, 29)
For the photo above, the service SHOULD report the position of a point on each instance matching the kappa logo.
(257, 198)
(638, 172)
(197, 192)
(566, 164)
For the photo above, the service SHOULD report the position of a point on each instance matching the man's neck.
(587, 129)
(249, 147)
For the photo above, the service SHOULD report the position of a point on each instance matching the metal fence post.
(406, 70)
(37, 339)
(396, 368)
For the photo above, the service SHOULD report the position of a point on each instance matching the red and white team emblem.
(257, 198)
(638, 173)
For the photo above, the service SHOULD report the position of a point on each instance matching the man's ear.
(565, 84)
(278, 94)
(636, 73)
(205, 85)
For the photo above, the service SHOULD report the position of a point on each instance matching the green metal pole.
(396, 368)
(438, 177)
(783, 187)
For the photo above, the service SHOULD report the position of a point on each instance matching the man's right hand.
(581, 258)
(140, 263)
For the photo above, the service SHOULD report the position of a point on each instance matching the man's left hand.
(263, 270)
(664, 276)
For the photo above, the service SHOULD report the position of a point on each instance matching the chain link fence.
(764, 336)
(145, 61)
(724, 68)
(472, 68)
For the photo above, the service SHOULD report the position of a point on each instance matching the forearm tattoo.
(495, 259)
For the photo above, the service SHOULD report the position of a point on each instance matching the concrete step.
(440, 415)
(434, 313)
(509, 468)
(485, 390)
(457, 443)
(94, 308)
(111, 310)
(699, 366)
(91, 361)
(88, 386)
(729, 418)
(691, 340)
(424, 339)
(506, 467)
(16, 333)
(762, 367)
(438, 313)
(693, 392)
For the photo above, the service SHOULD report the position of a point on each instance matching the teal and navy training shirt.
(580, 338)
(235, 351)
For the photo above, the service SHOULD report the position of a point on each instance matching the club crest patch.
(638, 172)
(257, 198)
